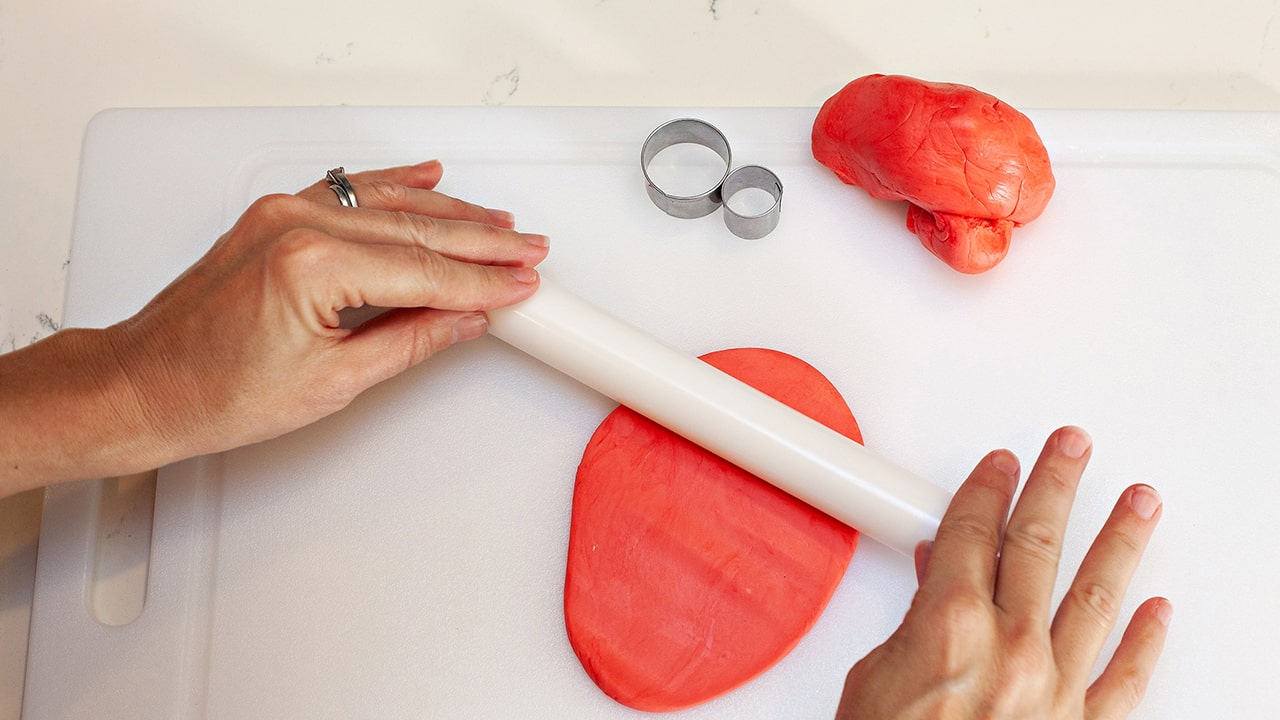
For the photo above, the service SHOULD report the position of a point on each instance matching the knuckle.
(482, 234)
(271, 214)
(463, 209)
(1059, 479)
(1132, 686)
(962, 630)
(1129, 543)
(969, 529)
(1035, 538)
(1028, 646)
(422, 344)
(968, 615)
(1098, 602)
(432, 270)
(1122, 686)
(277, 206)
(299, 254)
(420, 229)
(384, 193)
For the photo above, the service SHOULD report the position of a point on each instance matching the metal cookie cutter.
(675, 132)
(692, 130)
(752, 227)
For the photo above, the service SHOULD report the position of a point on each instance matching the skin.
(246, 345)
(978, 641)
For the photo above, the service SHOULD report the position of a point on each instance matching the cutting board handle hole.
(122, 548)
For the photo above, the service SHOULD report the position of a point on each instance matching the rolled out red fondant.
(688, 576)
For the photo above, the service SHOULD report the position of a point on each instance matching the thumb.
(923, 550)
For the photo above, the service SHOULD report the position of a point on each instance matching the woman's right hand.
(978, 644)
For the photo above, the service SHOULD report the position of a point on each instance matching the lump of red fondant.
(972, 167)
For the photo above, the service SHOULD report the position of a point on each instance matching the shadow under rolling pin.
(726, 416)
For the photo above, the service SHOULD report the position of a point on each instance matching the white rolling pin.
(724, 415)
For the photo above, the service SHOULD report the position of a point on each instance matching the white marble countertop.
(62, 62)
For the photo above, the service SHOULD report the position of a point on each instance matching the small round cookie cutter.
(752, 227)
(700, 132)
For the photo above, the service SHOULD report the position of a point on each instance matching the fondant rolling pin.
(724, 415)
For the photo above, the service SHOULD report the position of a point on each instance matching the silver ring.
(341, 187)
(752, 227)
(675, 132)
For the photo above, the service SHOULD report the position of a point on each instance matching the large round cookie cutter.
(676, 132)
(700, 132)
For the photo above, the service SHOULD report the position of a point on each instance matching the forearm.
(243, 346)
(68, 411)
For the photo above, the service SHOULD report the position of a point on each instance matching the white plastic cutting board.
(404, 558)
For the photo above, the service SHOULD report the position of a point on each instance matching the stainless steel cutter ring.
(675, 132)
(752, 227)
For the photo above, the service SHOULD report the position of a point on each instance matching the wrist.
(133, 377)
(69, 410)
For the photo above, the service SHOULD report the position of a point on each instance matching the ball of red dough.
(972, 167)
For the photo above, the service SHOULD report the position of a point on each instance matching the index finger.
(331, 274)
(395, 276)
(963, 557)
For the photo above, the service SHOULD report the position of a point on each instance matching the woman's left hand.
(247, 344)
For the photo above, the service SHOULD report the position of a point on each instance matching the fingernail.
(1006, 462)
(428, 163)
(1074, 442)
(1145, 501)
(1164, 612)
(537, 240)
(503, 218)
(469, 327)
(524, 274)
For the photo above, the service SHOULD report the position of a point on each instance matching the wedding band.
(752, 227)
(341, 187)
(675, 132)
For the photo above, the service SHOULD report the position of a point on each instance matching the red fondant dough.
(972, 167)
(688, 576)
